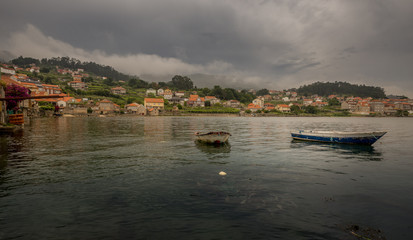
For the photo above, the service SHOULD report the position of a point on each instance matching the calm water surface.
(146, 178)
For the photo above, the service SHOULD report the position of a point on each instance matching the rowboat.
(213, 137)
(365, 138)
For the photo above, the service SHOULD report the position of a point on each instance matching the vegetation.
(340, 88)
(15, 91)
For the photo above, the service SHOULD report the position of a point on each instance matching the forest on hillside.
(340, 88)
(72, 63)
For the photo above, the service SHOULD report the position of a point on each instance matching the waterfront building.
(377, 106)
(283, 108)
(196, 101)
(254, 107)
(259, 101)
(212, 99)
(232, 104)
(156, 103)
(135, 108)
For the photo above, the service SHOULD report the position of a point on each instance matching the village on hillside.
(46, 99)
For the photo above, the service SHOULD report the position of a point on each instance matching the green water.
(146, 178)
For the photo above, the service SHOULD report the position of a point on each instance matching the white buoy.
(222, 173)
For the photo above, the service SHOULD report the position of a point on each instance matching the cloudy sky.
(276, 44)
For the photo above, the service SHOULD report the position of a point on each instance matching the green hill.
(340, 88)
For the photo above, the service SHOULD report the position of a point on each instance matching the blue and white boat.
(365, 138)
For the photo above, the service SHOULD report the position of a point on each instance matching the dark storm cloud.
(274, 44)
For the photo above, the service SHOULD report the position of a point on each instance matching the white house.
(149, 91)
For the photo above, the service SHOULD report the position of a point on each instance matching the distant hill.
(340, 88)
(72, 63)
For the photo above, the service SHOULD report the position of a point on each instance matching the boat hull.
(363, 138)
(213, 137)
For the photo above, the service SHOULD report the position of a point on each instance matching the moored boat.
(213, 137)
(365, 138)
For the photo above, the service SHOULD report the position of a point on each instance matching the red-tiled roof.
(154, 100)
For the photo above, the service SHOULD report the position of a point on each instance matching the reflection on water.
(213, 148)
(364, 151)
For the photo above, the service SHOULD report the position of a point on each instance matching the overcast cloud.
(274, 44)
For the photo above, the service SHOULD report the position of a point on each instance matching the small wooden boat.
(365, 138)
(213, 137)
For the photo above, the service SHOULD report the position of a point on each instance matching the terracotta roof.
(252, 105)
(7, 79)
(65, 99)
(133, 105)
(118, 88)
(154, 100)
(283, 105)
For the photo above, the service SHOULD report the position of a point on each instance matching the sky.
(273, 44)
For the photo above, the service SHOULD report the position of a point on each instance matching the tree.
(25, 61)
(44, 70)
(13, 90)
(109, 81)
(262, 92)
(295, 109)
(311, 109)
(181, 82)
(333, 102)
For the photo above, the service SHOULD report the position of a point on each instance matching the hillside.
(340, 88)
(72, 63)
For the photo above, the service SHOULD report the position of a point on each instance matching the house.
(259, 102)
(153, 112)
(5, 70)
(349, 105)
(156, 103)
(269, 106)
(253, 107)
(62, 102)
(51, 89)
(286, 99)
(78, 85)
(135, 108)
(362, 108)
(319, 104)
(267, 98)
(404, 106)
(389, 109)
(377, 106)
(307, 102)
(283, 108)
(179, 94)
(232, 104)
(150, 91)
(168, 94)
(160, 92)
(177, 100)
(293, 94)
(77, 78)
(212, 99)
(106, 107)
(196, 101)
(118, 90)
